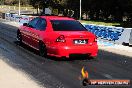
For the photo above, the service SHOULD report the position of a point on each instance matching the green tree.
(96, 9)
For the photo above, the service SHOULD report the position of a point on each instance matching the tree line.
(107, 10)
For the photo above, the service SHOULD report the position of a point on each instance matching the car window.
(41, 24)
(33, 22)
(67, 25)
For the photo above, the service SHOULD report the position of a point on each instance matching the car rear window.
(67, 25)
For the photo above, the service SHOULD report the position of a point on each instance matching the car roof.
(57, 18)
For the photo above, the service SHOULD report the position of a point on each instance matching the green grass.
(13, 9)
(16, 7)
(117, 24)
(101, 23)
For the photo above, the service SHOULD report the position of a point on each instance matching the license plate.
(80, 41)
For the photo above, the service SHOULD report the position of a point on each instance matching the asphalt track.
(53, 73)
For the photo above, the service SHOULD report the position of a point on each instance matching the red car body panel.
(31, 37)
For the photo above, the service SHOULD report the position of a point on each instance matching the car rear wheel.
(42, 49)
(19, 37)
(125, 44)
(93, 58)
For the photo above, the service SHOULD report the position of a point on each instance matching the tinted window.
(33, 22)
(67, 25)
(41, 24)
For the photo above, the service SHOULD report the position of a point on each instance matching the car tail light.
(61, 38)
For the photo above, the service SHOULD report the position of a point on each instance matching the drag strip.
(52, 73)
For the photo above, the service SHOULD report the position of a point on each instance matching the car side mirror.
(25, 24)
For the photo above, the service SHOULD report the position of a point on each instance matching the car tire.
(19, 37)
(92, 58)
(42, 49)
(125, 44)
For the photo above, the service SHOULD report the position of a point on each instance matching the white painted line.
(108, 76)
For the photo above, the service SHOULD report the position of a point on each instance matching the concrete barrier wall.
(126, 37)
(18, 18)
(7, 16)
(130, 39)
(117, 35)
(25, 19)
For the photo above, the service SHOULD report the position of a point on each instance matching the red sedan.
(58, 36)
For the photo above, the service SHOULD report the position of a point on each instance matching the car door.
(28, 31)
(38, 31)
(24, 33)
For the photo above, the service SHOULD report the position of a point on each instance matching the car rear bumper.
(67, 51)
